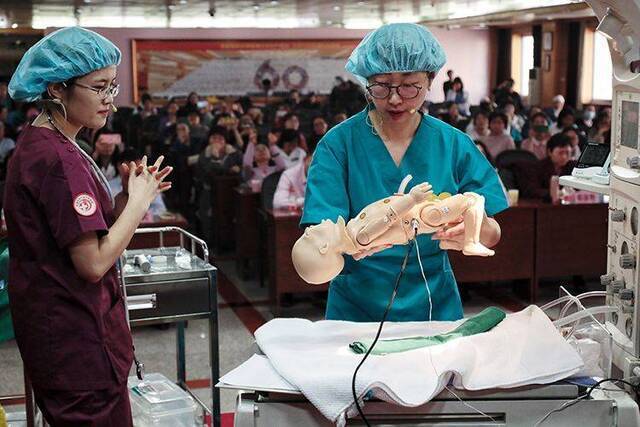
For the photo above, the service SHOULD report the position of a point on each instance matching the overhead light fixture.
(182, 1)
(336, 8)
(14, 25)
(274, 2)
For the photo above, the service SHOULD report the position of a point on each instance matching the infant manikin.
(317, 255)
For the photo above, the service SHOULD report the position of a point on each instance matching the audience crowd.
(203, 138)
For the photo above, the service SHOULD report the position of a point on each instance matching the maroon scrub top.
(72, 334)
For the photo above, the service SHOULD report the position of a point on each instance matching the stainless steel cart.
(180, 286)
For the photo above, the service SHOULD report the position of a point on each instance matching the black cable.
(613, 380)
(375, 340)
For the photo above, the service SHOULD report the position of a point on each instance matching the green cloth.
(482, 322)
(6, 326)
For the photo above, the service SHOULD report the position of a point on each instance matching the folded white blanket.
(523, 349)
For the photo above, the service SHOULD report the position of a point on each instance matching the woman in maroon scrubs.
(65, 237)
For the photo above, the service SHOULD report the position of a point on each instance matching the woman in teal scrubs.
(365, 158)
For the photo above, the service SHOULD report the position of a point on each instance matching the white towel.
(525, 348)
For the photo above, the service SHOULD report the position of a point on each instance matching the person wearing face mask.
(65, 236)
(365, 158)
(585, 123)
(538, 136)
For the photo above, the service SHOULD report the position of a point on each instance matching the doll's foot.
(477, 249)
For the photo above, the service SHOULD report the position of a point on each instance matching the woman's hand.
(145, 186)
(451, 237)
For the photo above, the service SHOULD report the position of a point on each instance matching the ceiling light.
(336, 8)
(183, 2)
(274, 2)
(14, 25)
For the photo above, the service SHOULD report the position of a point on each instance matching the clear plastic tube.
(588, 312)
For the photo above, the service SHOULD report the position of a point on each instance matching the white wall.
(467, 50)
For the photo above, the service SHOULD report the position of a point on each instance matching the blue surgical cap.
(60, 56)
(396, 48)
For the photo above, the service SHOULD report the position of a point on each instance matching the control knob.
(633, 162)
(617, 215)
(605, 279)
(626, 294)
(627, 261)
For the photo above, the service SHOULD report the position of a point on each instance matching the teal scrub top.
(351, 169)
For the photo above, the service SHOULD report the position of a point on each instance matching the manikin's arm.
(379, 217)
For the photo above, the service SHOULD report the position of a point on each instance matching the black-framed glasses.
(102, 92)
(404, 91)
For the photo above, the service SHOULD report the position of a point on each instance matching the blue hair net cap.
(58, 57)
(396, 48)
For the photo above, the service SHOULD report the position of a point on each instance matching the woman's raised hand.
(147, 182)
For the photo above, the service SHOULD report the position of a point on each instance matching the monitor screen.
(593, 155)
(629, 124)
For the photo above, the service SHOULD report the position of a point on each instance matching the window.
(602, 69)
(526, 63)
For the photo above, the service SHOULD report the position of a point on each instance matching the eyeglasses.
(102, 92)
(404, 91)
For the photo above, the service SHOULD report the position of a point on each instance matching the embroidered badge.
(85, 204)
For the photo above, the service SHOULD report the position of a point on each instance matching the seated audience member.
(197, 130)
(292, 186)
(183, 155)
(601, 128)
(479, 126)
(566, 118)
(6, 144)
(257, 161)
(533, 110)
(288, 148)
(218, 157)
(534, 180)
(585, 123)
(459, 96)
(516, 121)
(454, 118)
(577, 141)
(231, 123)
(119, 186)
(167, 128)
(498, 141)
(292, 121)
(190, 106)
(106, 153)
(538, 136)
(505, 92)
(320, 128)
(554, 111)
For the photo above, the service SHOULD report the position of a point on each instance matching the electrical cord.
(586, 395)
(412, 242)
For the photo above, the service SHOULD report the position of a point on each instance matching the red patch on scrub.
(84, 204)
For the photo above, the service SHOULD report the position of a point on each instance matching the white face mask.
(589, 115)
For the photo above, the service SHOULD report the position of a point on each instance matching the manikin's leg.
(471, 207)
(472, 224)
